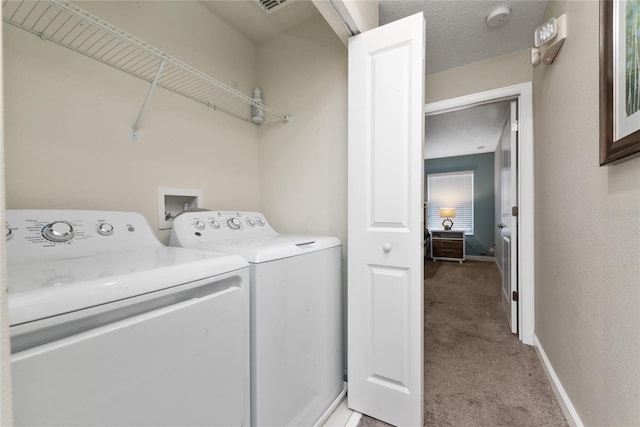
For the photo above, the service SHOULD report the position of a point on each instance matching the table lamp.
(447, 213)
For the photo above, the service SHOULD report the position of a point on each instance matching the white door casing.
(385, 229)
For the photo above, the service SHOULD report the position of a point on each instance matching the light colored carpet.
(476, 372)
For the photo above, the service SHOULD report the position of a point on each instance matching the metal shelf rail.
(70, 26)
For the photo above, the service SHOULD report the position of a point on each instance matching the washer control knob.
(9, 234)
(233, 223)
(199, 225)
(105, 229)
(58, 231)
(215, 224)
(261, 222)
(251, 222)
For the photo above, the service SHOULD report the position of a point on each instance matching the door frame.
(526, 270)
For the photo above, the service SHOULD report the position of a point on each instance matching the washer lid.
(43, 289)
(269, 248)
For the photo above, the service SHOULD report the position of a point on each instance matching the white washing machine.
(110, 327)
(296, 313)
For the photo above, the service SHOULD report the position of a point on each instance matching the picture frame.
(619, 108)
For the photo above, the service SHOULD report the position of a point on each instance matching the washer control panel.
(211, 226)
(59, 234)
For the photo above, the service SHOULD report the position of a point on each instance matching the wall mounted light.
(548, 39)
(447, 213)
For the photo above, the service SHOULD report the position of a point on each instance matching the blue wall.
(483, 192)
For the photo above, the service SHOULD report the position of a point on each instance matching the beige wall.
(68, 119)
(478, 77)
(587, 235)
(303, 164)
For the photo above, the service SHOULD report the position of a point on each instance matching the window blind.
(450, 190)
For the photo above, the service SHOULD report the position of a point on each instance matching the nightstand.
(447, 245)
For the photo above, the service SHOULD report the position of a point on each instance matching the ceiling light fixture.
(498, 16)
(548, 39)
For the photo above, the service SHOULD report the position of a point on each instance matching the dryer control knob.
(58, 231)
(199, 225)
(105, 229)
(260, 222)
(215, 224)
(251, 222)
(233, 223)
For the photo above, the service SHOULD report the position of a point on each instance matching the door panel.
(385, 265)
(509, 200)
(389, 295)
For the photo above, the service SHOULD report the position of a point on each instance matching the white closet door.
(385, 267)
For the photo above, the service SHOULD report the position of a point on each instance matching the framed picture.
(619, 80)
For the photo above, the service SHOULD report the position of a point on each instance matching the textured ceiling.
(471, 131)
(457, 32)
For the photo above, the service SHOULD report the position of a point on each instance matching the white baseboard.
(567, 407)
(354, 419)
(332, 411)
(480, 258)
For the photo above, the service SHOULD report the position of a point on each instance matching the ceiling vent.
(271, 6)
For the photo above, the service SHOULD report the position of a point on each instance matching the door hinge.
(514, 126)
(514, 296)
(514, 211)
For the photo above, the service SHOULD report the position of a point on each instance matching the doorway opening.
(523, 250)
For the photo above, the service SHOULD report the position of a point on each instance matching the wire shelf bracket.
(68, 25)
(134, 128)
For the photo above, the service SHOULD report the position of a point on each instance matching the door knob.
(386, 247)
(501, 226)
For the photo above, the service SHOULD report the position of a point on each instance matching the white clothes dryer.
(110, 327)
(297, 359)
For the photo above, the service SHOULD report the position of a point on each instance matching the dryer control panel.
(61, 234)
(214, 226)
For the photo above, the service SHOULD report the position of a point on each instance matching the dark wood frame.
(610, 151)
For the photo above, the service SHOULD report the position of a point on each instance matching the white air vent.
(271, 6)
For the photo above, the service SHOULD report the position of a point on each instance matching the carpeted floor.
(476, 372)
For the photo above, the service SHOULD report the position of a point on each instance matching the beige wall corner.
(587, 234)
(303, 163)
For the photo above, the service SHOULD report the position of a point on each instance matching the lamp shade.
(447, 212)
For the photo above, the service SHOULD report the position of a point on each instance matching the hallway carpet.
(476, 372)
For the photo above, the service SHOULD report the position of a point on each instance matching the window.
(450, 190)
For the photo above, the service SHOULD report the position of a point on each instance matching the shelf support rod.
(154, 82)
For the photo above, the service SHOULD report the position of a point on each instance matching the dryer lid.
(270, 248)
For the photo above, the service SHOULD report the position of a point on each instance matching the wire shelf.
(70, 26)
